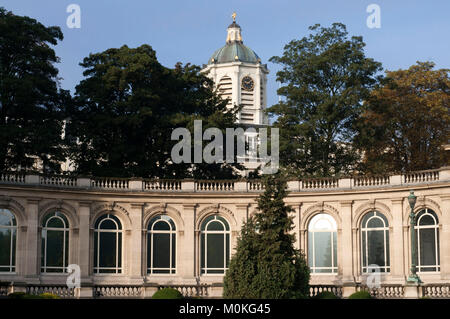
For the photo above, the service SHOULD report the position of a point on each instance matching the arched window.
(375, 242)
(55, 243)
(108, 245)
(427, 231)
(8, 233)
(214, 245)
(161, 245)
(322, 246)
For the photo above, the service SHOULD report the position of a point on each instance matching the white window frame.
(332, 230)
(171, 232)
(364, 232)
(204, 270)
(65, 231)
(119, 234)
(12, 243)
(417, 228)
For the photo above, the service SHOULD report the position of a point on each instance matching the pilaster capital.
(34, 200)
(137, 205)
(85, 203)
(346, 203)
(189, 206)
(243, 206)
(397, 201)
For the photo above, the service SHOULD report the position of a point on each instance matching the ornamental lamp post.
(413, 277)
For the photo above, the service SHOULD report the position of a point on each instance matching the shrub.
(325, 295)
(167, 293)
(18, 295)
(360, 295)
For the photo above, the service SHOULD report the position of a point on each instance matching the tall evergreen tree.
(30, 101)
(325, 78)
(266, 265)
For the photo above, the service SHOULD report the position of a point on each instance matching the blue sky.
(191, 30)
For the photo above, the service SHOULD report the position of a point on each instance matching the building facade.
(130, 237)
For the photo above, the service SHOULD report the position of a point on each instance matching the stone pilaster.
(33, 240)
(397, 256)
(346, 242)
(135, 250)
(187, 260)
(84, 247)
(445, 237)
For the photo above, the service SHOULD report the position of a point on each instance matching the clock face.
(247, 83)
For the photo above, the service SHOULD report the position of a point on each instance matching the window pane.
(426, 220)
(202, 251)
(215, 250)
(427, 246)
(310, 249)
(55, 222)
(173, 250)
(161, 253)
(161, 225)
(376, 248)
(215, 225)
(335, 249)
(6, 217)
(364, 246)
(108, 224)
(322, 249)
(107, 250)
(5, 247)
(375, 222)
(55, 246)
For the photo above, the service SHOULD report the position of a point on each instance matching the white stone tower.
(239, 76)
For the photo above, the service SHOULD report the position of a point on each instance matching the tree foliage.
(266, 265)
(407, 121)
(325, 78)
(125, 111)
(30, 101)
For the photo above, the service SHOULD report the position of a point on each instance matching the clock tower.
(240, 77)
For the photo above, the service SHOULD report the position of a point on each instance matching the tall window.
(427, 231)
(55, 243)
(161, 245)
(8, 231)
(375, 242)
(108, 245)
(322, 247)
(215, 245)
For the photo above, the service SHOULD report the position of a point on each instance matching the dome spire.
(234, 31)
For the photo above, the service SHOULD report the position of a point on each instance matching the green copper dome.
(233, 52)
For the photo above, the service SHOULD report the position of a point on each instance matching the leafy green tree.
(30, 101)
(266, 264)
(325, 78)
(407, 121)
(125, 111)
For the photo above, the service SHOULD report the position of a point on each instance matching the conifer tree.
(266, 265)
